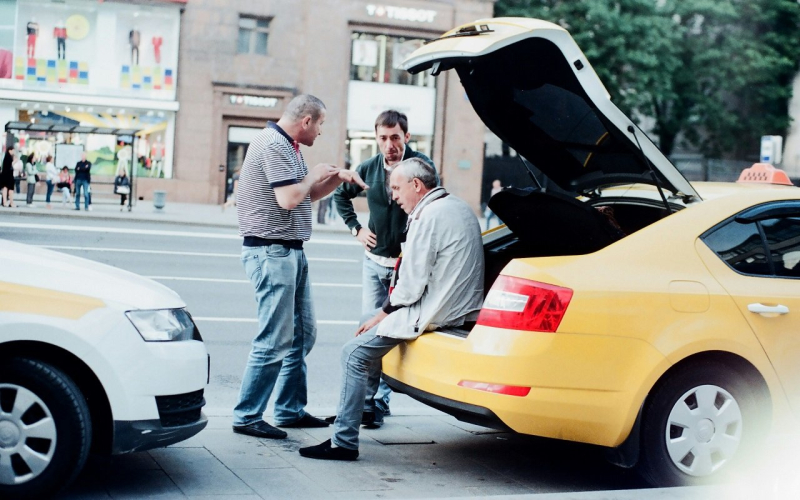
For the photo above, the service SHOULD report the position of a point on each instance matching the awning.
(68, 129)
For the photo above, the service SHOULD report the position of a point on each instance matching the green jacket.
(386, 219)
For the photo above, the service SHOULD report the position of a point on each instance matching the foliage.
(717, 73)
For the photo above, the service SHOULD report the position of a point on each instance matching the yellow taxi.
(623, 307)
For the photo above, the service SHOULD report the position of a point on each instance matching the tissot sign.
(401, 13)
(254, 101)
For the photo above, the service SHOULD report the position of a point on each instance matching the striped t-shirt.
(273, 160)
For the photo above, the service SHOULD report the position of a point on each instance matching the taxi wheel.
(45, 429)
(701, 421)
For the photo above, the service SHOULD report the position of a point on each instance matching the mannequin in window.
(134, 37)
(157, 157)
(157, 41)
(33, 32)
(60, 34)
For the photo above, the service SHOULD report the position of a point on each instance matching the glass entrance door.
(239, 139)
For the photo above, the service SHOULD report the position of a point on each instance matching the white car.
(91, 358)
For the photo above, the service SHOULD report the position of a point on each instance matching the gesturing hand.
(352, 177)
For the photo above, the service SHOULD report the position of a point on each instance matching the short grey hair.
(304, 105)
(415, 168)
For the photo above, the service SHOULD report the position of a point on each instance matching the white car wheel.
(45, 429)
(27, 435)
(704, 430)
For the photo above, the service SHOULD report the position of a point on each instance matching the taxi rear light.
(520, 304)
(508, 390)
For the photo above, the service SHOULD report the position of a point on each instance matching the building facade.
(74, 66)
(242, 61)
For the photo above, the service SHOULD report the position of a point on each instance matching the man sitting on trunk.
(440, 284)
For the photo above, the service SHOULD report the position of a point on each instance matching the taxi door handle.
(763, 310)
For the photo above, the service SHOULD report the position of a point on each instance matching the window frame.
(251, 45)
(754, 215)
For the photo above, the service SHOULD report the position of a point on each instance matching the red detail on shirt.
(60, 32)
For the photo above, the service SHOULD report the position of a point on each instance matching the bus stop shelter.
(50, 129)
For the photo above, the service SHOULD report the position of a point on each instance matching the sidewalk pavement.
(191, 214)
(412, 456)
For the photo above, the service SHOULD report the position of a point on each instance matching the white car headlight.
(164, 325)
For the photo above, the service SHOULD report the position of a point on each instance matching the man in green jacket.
(384, 232)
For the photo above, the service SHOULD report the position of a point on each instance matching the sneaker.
(90, 208)
(325, 451)
(306, 422)
(260, 429)
(372, 420)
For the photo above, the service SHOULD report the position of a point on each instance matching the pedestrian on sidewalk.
(122, 187)
(31, 177)
(497, 186)
(83, 178)
(231, 201)
(273, 206)
(439, 284)
(384, 232)
(7, 177)
(19, 171)
(64, 185)
(51, 177)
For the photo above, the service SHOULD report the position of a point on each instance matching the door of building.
(239, 139)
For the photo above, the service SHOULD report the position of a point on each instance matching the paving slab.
(198, 472)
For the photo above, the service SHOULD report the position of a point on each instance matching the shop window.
(253, 35)
(376, 58)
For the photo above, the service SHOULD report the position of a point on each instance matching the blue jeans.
(83, 183)
(375, 281)
(286, 333)
(50, 187)
(361, 370)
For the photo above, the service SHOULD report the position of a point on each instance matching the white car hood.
(36, 267)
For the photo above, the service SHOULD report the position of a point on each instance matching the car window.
(783, 240)
(741, 246)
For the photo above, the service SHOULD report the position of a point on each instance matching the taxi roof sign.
(764, 173)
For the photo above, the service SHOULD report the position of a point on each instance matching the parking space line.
(223, 280)
(174, 252)
(158, 232)
(255, 320)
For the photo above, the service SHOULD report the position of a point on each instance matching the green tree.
(717, 73)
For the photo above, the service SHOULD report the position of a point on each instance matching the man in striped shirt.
(276, 189)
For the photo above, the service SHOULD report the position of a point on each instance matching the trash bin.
(159, 199)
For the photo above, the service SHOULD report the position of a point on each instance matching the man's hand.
(352, 177)
(367, 238)
(370, 323)
(323, 172)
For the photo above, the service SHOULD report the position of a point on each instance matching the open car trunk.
(543, 223)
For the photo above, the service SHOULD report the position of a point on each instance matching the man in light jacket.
(440, 284)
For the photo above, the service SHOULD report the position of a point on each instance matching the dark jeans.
(16, 185)
(123, 197)
(31, 189)
(50, 187)
(82, 183)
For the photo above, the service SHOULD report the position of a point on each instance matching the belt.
(255, 241)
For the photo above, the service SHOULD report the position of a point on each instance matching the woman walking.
(51, 178)
(122, 187)
(7, 178)
(32, 176)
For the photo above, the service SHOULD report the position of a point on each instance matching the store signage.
(252, 100)
(365, 100)
(401, 13)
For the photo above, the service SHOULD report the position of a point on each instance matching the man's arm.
(344, 205)
(319, 182)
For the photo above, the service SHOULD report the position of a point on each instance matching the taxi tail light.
(520, 304)
(508, 390)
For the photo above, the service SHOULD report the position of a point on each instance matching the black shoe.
(330, 420)
(371, 420)
(260, 429)
(325, 451)
(306, 422)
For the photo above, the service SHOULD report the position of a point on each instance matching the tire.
(45, 429)
(698, 424)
